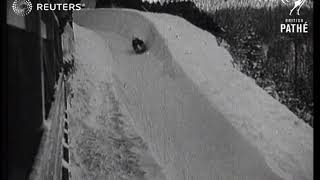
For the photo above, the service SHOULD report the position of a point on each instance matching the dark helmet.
(138, 45)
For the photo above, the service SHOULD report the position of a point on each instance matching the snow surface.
(104, 144)
(198, 117)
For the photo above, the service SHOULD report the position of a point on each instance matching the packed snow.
(178, 111)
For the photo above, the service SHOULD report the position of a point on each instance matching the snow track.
(196, 116)
(104, 144)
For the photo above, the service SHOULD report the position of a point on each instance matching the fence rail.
(36, 95)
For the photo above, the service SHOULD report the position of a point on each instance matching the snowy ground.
(104, 144)
(179, 111)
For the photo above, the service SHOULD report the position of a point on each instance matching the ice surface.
(194, 114)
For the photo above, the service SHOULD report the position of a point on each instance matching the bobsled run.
(177, 110)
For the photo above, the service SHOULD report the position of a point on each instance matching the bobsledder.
(138, 45)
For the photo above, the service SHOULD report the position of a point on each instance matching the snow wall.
(202, 118)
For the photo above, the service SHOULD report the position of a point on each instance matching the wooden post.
(42, 70)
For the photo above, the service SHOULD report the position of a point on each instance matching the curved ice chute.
(181, 90)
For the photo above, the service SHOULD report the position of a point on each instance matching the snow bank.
(201, 118)
(104, 144)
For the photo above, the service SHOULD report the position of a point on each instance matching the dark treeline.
(280, 63)
(187, 10)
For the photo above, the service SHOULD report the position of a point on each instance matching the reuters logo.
(22, 7)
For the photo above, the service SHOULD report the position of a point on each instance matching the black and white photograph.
(159, 89)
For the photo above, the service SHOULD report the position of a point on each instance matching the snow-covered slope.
(201, 118)
(104, 144)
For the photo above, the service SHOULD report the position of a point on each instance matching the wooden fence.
(35, 95)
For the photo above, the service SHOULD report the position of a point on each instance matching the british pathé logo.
(297, 5)
(22, 7)
(294, 25)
